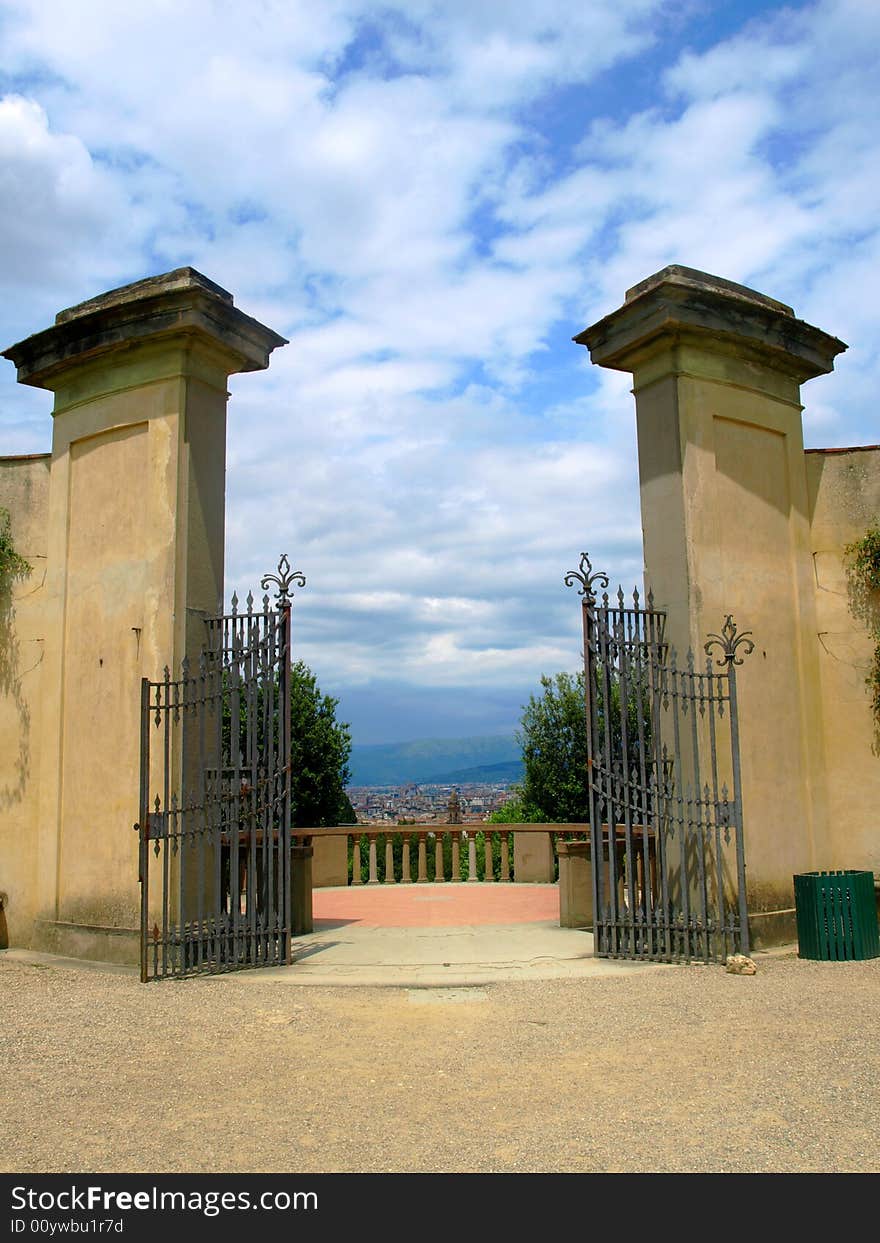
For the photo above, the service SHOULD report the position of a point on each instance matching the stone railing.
(439, 853)
(375, 854)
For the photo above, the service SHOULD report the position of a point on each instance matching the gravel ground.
(684, 1069)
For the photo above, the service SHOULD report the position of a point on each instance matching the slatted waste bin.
(836, 915)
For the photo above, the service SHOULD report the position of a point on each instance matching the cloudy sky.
(429, 199)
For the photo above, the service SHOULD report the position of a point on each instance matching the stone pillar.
(330, 861)
(135, 561)
(575, 885)
(717, 370)
(533, 861)
(301, 917)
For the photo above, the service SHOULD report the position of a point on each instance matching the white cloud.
(400, 191)
(55, 199)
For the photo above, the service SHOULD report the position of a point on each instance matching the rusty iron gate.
(663, 783)
(215, 797)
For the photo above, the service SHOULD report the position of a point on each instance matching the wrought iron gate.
(663, 784)
(215, 798)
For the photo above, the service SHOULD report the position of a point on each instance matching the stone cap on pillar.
(179, 303)
(680, 304)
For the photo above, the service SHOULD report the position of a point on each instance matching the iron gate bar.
(224, 806)
(673, 904)
(729, 642)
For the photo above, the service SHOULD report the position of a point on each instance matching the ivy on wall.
(863, 571)
(12, 564)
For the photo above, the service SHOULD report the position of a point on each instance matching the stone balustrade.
(436, 853)
(375, 854)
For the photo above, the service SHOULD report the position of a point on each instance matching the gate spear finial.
(283, 580)
(729, 641)
(587, 576)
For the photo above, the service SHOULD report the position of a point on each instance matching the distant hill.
(399, 763)
(483, 774)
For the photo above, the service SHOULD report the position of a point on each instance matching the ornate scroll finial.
(283, 580)
(586, 576)
(729, 641)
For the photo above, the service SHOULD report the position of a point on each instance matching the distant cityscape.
(424, 803)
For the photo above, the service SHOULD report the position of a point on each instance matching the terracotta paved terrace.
(434, 906)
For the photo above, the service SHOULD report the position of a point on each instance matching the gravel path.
(687, 1069)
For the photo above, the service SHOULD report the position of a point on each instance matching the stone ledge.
(88, 941)
(680, 304)
(772, 928)
(179, 303)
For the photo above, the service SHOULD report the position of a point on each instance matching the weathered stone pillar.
(301, 917)
(330, 861)
(717, 370)
(575, 885)
(533, 860)
(135, 560)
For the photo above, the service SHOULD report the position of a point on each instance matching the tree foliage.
(320, 750)
(862, 559)
(553, 737)
(12, 564)
(515, 810)
(320, 747)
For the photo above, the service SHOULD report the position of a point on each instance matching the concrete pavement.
(446, 935)
(430, 936)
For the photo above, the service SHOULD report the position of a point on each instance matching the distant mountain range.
(484, 774)
(490, 757)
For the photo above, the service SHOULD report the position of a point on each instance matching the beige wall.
(137, 520)
(125, 522)
(726, 517)
(131, 524)
(844, 496)
(747, 553)
(24, 491)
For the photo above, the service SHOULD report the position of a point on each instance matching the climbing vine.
(12, 564)
(863, 569)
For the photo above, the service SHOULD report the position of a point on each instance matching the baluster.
(472, 857)
(356, 861)
(456, 857)
(374, 871)
(389, 860)
(505, 857)
(406, 878)
(423, 859)
(489, 871)
(439, 869)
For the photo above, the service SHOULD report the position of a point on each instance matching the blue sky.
(430, 200)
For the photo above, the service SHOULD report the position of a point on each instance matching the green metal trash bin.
(836, 915)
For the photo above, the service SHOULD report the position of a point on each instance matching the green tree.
(515, 810)
(320, 750)
(347, 813)
(320, 745)
(553, 737)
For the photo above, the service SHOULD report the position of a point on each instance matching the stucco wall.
(127, 588)
(24, 491)
(844, 498)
